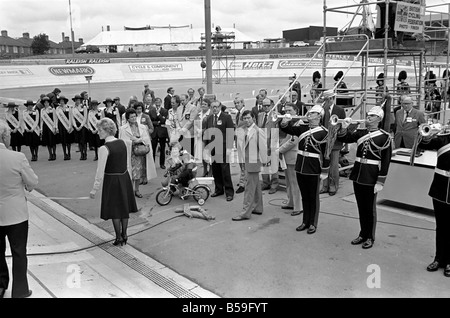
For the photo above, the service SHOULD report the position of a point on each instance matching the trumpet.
(427, 130)
(277, 116)
(334, 120)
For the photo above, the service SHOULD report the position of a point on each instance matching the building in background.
(309, 35)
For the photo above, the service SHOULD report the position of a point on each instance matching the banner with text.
(160, 67)
(409, 16)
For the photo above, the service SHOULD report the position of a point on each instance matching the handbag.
(141, 149)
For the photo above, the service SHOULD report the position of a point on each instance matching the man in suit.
(239, 123)
(331, 184)
(119, 106)
(407, 121)
(288, 149)
(219, 139)
(258, 108)
(16, 176)
(168, 98)
(270, 173)
(158, 115)
(252, 143)
(301, 107)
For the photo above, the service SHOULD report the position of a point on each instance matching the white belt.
(308, 154)
(367, 161)
(442, 172)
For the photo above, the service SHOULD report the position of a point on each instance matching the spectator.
(94, 117)
(316, 86)
(143, 167)
(119, 106)
(432, 96)
(252, 144)
(240, 124)
(299, 105)
(168, 98)
(269, 173)
(39, 103)
(200, 123)
(16, 176)
(186, 114)
(117, 194)
(158, 115)
(407, 121)
(191, 93)
(146, 93)
(258, 108)
(288, 149)
(403, 87)
(112, 112)
(220, 123)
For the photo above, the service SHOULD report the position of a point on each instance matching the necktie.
(184, 109)
(215, 120)
(265, 120)
(406, 115)
(237, 118)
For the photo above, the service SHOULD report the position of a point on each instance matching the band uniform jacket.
(252, 146)
(311, 148)
(15, 172)
(440, 186)
(159, 122)
(224, 122)
(373, 155)
(406, 129)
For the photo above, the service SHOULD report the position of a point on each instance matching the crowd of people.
(269, 136)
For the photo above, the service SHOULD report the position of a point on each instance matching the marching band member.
(14, 120)
(311, 166)
(65, 127)
(373, 157)
(32, 131)
(94, 117)
(440, 193)
(80, 122)
(49, 128)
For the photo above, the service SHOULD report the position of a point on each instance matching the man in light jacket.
(16, 176)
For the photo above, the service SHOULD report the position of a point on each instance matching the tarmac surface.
(169, 255)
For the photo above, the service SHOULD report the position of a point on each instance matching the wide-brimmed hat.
(77, 97)
(108, 99)
(45, 98)
(94, 102)
(29, 103)
(64, 98)
(10, 104)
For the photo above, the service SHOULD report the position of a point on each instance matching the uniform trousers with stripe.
(442, 215)
(366, 200)
(309, 189)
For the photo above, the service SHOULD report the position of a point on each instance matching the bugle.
(427, 130)
(276, 116)
(334, 120)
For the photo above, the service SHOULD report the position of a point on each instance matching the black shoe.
(265, 188)
(447, 270)
(124, 239)
(26, 295)
(2, 292)
(216, 194)
(312, 229)
(285, 207)
(358, 240)
(332, 193)
(433, 266)
(163, 167)
(302, 227)
(66, 157)
(256, 212)
(240, 190)
(367, 244)
(294, 213)
(230, 198)
(118, 241)
(96, 158)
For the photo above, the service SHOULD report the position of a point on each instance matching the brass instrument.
(426, 130)
(276, 116)
(334, 120)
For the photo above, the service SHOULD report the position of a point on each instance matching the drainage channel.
(129, 260)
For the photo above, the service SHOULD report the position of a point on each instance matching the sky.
(256, 18)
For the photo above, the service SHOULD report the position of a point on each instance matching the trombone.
(426, 130)
(334, 120)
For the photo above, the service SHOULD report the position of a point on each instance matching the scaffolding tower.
(223, 57)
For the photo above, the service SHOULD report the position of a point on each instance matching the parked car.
(319, 43)
(88, 49)
(299, 44)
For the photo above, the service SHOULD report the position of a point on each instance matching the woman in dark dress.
(112, 112)
(49, 128)
(65, 126)
(113, 169)
(14, 121)
(32, 131)
(79, 122)
(94, 116)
